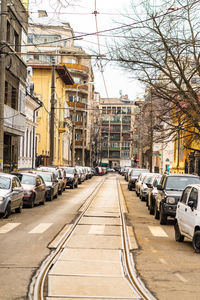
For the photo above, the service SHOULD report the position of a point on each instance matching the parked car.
(11, 194)
(133, 177)
(169, 193)
(152, 192)
(98, 171)
(143, 187)
(126, 172)
(187, 220)
(72, 177)
(81, 175)
(58, 174)
(138, 182)
(51, 184)
(34, 188)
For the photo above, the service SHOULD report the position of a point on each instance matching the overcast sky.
(82, 20)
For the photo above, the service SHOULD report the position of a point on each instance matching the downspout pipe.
(34, 111)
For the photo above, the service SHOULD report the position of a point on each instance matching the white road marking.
(97, 229)
(8, 227)
(180, 277)
(163, 261)
(157, 231)
(41, 228)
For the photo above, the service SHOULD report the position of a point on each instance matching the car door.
(43, 188)
(181, 212)
(191, 212)
(14, 194)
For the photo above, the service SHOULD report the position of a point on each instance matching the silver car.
(11, 194)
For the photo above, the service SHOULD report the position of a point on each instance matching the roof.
(61, 70)
(46, 21)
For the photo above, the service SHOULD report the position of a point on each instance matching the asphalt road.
(24, 238)
(168, 268)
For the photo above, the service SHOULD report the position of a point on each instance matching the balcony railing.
(77, 67)
(14, 120)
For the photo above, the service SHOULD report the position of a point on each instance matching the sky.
(82, 20)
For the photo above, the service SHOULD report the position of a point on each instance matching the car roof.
(181, 175)
(7, 175)
(43, 171)
(197, 185)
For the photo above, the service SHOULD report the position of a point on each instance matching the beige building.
(57, 38)
(117, 120)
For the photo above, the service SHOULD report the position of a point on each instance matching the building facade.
(117, 120)
(57, 38)
(15, 83)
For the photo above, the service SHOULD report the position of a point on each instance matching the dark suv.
(169, 193)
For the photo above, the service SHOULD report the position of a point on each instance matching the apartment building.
(57, 38)
(15, 83)
(117, 120)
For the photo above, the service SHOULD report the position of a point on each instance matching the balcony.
(61, 128)
(79, 105)
(77, 67)
(14, 121)
(83, 88)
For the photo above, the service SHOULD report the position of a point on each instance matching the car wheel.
(7, 211)
(196, 241)
(44, 200)
(19, 209)
(151, 207)
(156, 213)
(31, 205)
(178, 236)
(163, 217)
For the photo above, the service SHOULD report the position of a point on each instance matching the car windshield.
(69, 170)
(147, 179)
(157, 181)
(4, 183)
(46, 177)
(26, 179)
(179, 183)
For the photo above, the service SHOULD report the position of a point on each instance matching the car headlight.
(170, 200)
(2, 198)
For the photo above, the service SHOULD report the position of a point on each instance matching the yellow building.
(186, 155)
(42, 76)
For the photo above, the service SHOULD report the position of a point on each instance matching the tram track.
(38, 291)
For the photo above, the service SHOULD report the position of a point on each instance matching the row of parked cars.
(170, 195)
(19, 189)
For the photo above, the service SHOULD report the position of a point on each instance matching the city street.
(164, 265)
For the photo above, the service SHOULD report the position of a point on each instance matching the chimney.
(42, 13)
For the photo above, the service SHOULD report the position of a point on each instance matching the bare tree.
(161, 48)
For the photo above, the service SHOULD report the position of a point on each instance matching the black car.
(169, 193)
(72, 177)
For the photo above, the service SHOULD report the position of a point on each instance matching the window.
(16, 41)
(124, 110)
(129, 110)
(185, 195)
(118, 110)
(8, 32)
(71, 98)
(103, 110)
(114, 110)
(194, 197)
(108, 110)
(6, 93)
(14, 98)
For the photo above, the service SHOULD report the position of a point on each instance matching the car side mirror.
(149, 185)
(191, 204)
(159, 187)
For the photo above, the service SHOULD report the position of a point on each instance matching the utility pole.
(74, 128)
(3, 33)
(151, 135)
(83, 143)
(52, 114)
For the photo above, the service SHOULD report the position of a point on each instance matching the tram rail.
(37, 287)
